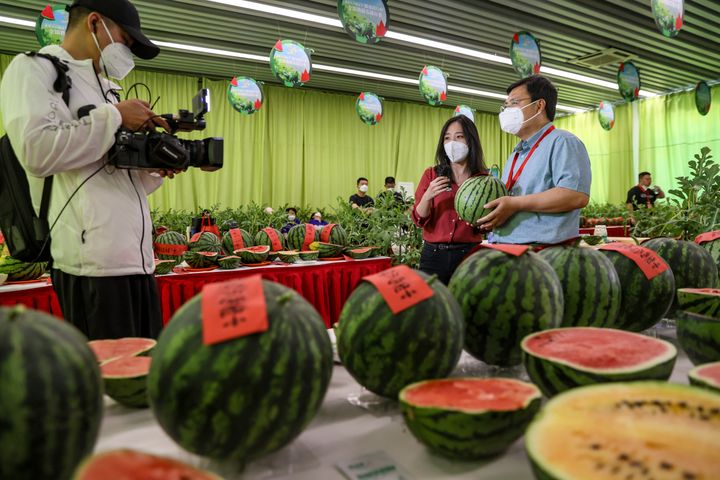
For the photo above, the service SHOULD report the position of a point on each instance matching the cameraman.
(101, 244)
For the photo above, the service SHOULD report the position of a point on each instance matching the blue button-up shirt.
(560, 160)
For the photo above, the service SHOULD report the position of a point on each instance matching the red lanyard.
(647, 197)
(513, 179)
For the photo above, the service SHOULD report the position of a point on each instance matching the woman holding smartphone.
(447, 239)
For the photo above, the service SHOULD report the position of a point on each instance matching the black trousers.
(443, 259)
(110, 307)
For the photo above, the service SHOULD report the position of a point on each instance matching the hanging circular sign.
(290, 63)
(369, 108)
(364, 20)
(433, 85)
(628, 79)
(525, 54)
(703, 97)
(465, 110)
(668, 16)
(606, 115)
(245, 95)
(51, 25)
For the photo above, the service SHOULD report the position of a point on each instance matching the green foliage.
(366, 115)
(240, 103)
(289, 75)
(604, 210)
(427, 91)
(524, 68)
(357, 24)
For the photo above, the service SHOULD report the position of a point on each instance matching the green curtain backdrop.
(673, 132)
(307, 147)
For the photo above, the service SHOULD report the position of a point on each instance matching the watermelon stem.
(432, 278)
(285, 297)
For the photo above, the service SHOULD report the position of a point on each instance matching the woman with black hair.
(448, 239)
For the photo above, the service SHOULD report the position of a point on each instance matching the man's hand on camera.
(169, 173)
(136, 115)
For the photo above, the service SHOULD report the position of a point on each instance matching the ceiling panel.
(565, 28)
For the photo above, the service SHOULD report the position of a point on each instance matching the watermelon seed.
(623, 457)
(595, 446)
(689, 476)
(666, 466)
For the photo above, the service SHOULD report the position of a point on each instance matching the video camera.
(155, 150)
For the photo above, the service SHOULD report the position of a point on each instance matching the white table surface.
(340, 432)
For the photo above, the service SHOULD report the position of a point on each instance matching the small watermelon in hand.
(474, 194)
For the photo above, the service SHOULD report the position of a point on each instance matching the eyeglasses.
(513, 103)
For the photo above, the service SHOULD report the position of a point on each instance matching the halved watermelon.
(699, 336)
(201, 259)
(309, 255)
(706, 376)
(125, 380)
(705, 301)
(637, 430)
(229, 262)
(327, 250)
(163, 267)
(563, 358)
(290, 256)
(469, 418)
(133, 465)
(254, 254)
(121, 347)
(359, 253)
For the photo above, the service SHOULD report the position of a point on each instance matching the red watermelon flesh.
(132, 465)
(472, 394)
(708, 374)
(122, 347)
(126, 367)
(601, 349)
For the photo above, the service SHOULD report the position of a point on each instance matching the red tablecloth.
(326, 285)
(40, 298)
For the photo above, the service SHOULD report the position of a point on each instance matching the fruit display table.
(341, 432)
(613, 231)
(326, 285)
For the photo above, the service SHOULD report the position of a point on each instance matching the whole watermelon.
(270, 237)
(692, 265)
(591, 287)
(643, 302)
(170, 246)
(301, 236)
(474, 193)
(333, 233)
(205, 242)
(503, 299)
(244, 397)
(235, 239)
(385, 352)
(713, 247)
(51, 399)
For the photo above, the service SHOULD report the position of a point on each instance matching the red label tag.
(510, 249)
(274, 239)
(325, 233)
(309, 236)
(233, 309)
(195, 237)
(649, 262)
(707, 237)
(236, 237)
(167, 249)
(401, 287)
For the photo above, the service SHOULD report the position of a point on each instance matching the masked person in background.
(317, 220)
(547, 175)
(102, 243)
(447, 239)
(292, 220)
(361, 199)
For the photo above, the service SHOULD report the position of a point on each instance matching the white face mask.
(456, 151)
(116, 58)
(512, 120)
(291, 217)
(363, 188)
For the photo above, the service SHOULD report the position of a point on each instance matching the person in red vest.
(642, 194)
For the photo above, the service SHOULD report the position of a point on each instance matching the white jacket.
(106, 229)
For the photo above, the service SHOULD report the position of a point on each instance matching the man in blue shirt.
(548, 173)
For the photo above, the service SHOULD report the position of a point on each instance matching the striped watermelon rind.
(309, 256)
(201, 259)
(556, 375)
(699, 336)
(125, 380)
(474, 193)
(19, 271)
(327, 250)
(170, 238)
(256, 254)
(229, 262)
(163, 267)
(359, 253)
(466, 433)
(706, 376)
(296, 237)
(227, 241)
(51, 396)
(704, 301)
(206, 242)
(333, 233)
(713, 248)
(289, 256)
(386, 352)
(692, 265)
(643, 302)
(263, 238)
(591, 287)
(248, 396)
(130, 464)
(503, 299)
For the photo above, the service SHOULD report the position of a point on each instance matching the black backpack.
(27, 235)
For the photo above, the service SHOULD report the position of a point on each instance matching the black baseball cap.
(126, 16)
